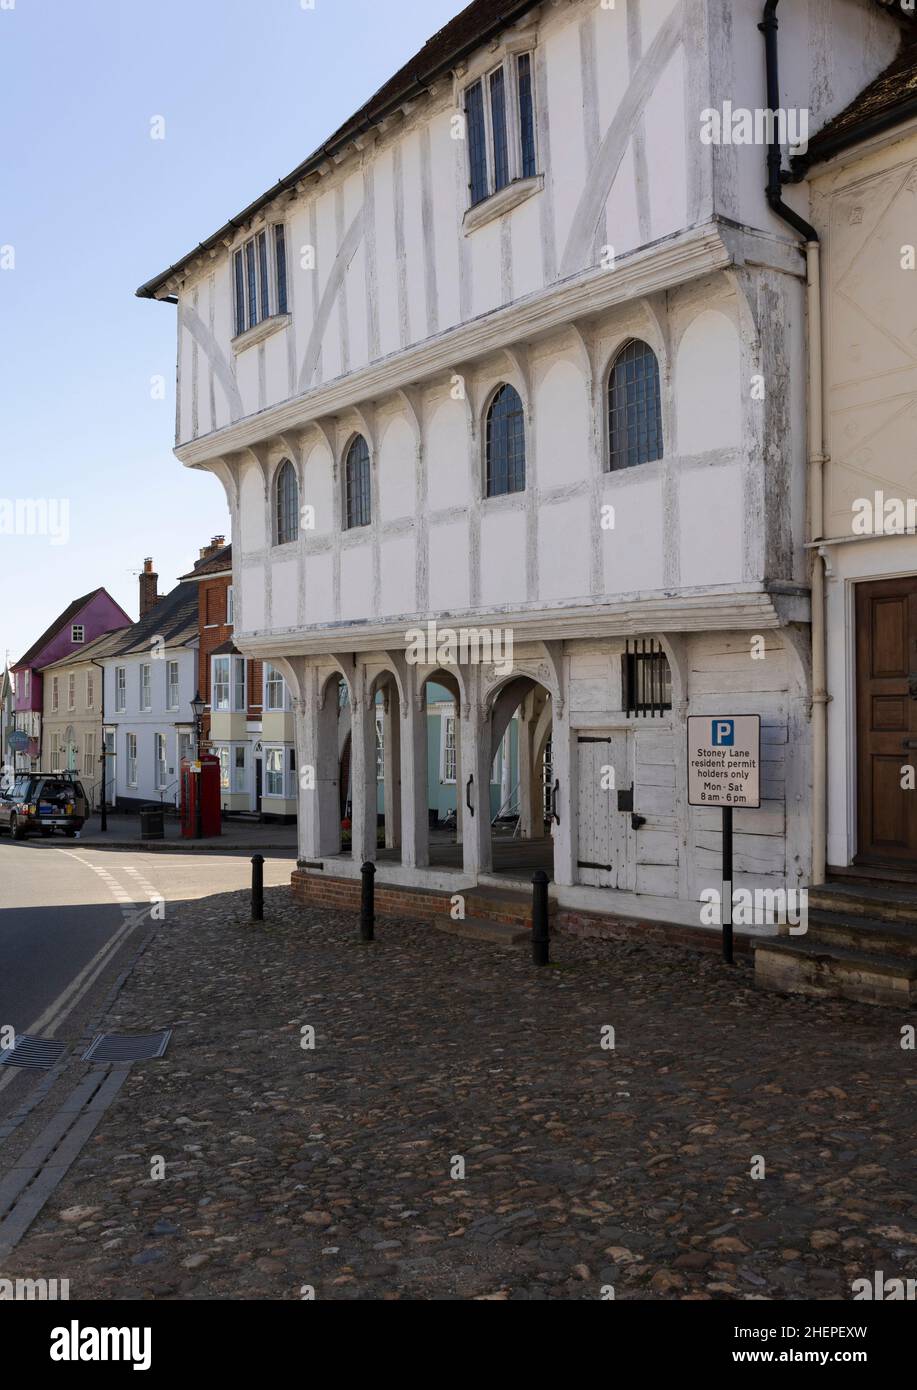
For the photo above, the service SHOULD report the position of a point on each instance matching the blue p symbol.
(724, 733)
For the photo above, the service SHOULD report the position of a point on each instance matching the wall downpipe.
(816, 457)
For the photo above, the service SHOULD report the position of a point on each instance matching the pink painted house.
(81, 622)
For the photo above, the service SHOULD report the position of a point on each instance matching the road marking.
(71, 995)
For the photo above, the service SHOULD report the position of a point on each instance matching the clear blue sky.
(93, 208)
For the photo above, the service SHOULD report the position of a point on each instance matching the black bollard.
(541, 947)
(258, 888)
(368, 903)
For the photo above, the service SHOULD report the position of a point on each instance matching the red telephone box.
(203, 784)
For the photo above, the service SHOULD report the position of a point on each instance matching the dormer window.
(77, 634)
(259, 272)
(500, 128)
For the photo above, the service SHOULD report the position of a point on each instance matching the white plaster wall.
(318, 489)
(285, 593)
(447, 455)
(632, 552)
(397, 470)
(357, 582)
(562, 421)
(253, 536)
(450, 579)
(563, 566)
(503, 549)
(398, 567)
(710, 515)
(709, 391)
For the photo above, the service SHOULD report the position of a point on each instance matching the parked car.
(45, 802)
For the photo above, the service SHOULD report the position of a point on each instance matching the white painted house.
(150, 679)
(520, 352)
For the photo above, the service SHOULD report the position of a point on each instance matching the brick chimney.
(149, 587)
(215, 545)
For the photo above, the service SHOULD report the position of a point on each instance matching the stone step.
(834, 972)
(481, 929)
(870, 935)
(501, 905)
(882, 902)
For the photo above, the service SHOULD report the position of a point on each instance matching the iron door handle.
(555, 817)
(468, 787)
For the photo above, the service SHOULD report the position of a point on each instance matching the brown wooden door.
(886, 618)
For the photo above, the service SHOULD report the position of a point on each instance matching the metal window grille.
(647, 678)
(498, 125)
(287, 504)
(526, 116)
(477, 143)
(634, 407)
(358, 484)
(505, 444)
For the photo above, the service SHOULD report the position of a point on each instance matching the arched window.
(287, 494)
(505, 443)
(358, 485)
(634, 407)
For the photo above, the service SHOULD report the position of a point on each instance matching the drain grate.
(40, 1054)
(122, 1047)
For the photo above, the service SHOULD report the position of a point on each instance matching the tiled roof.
(214, 564)
(475, 26)
(174, 618)
(92, 651)
(890, 99)
(69, 612)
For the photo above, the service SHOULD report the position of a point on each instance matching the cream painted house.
(862, 173)
(519, 353)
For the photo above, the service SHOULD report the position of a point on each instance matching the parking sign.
(724, 760)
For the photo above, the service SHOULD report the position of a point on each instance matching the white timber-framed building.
(520, 352)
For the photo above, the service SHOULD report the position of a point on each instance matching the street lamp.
(197, 709)
(103, 759)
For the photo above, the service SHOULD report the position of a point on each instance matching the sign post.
(724, 770)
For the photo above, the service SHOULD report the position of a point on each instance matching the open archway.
(522, 791)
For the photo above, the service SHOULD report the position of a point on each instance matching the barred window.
(287, 495)
(358, 485)
(505, 443)
(634, 407)
(647, 679)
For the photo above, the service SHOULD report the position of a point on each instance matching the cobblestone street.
(585, 1167)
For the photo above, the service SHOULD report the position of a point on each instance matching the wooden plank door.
(602, 830)
(886, 641)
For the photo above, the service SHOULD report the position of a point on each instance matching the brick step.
(881, 902)
(869, 935)
(480, 929)
(834, 972)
